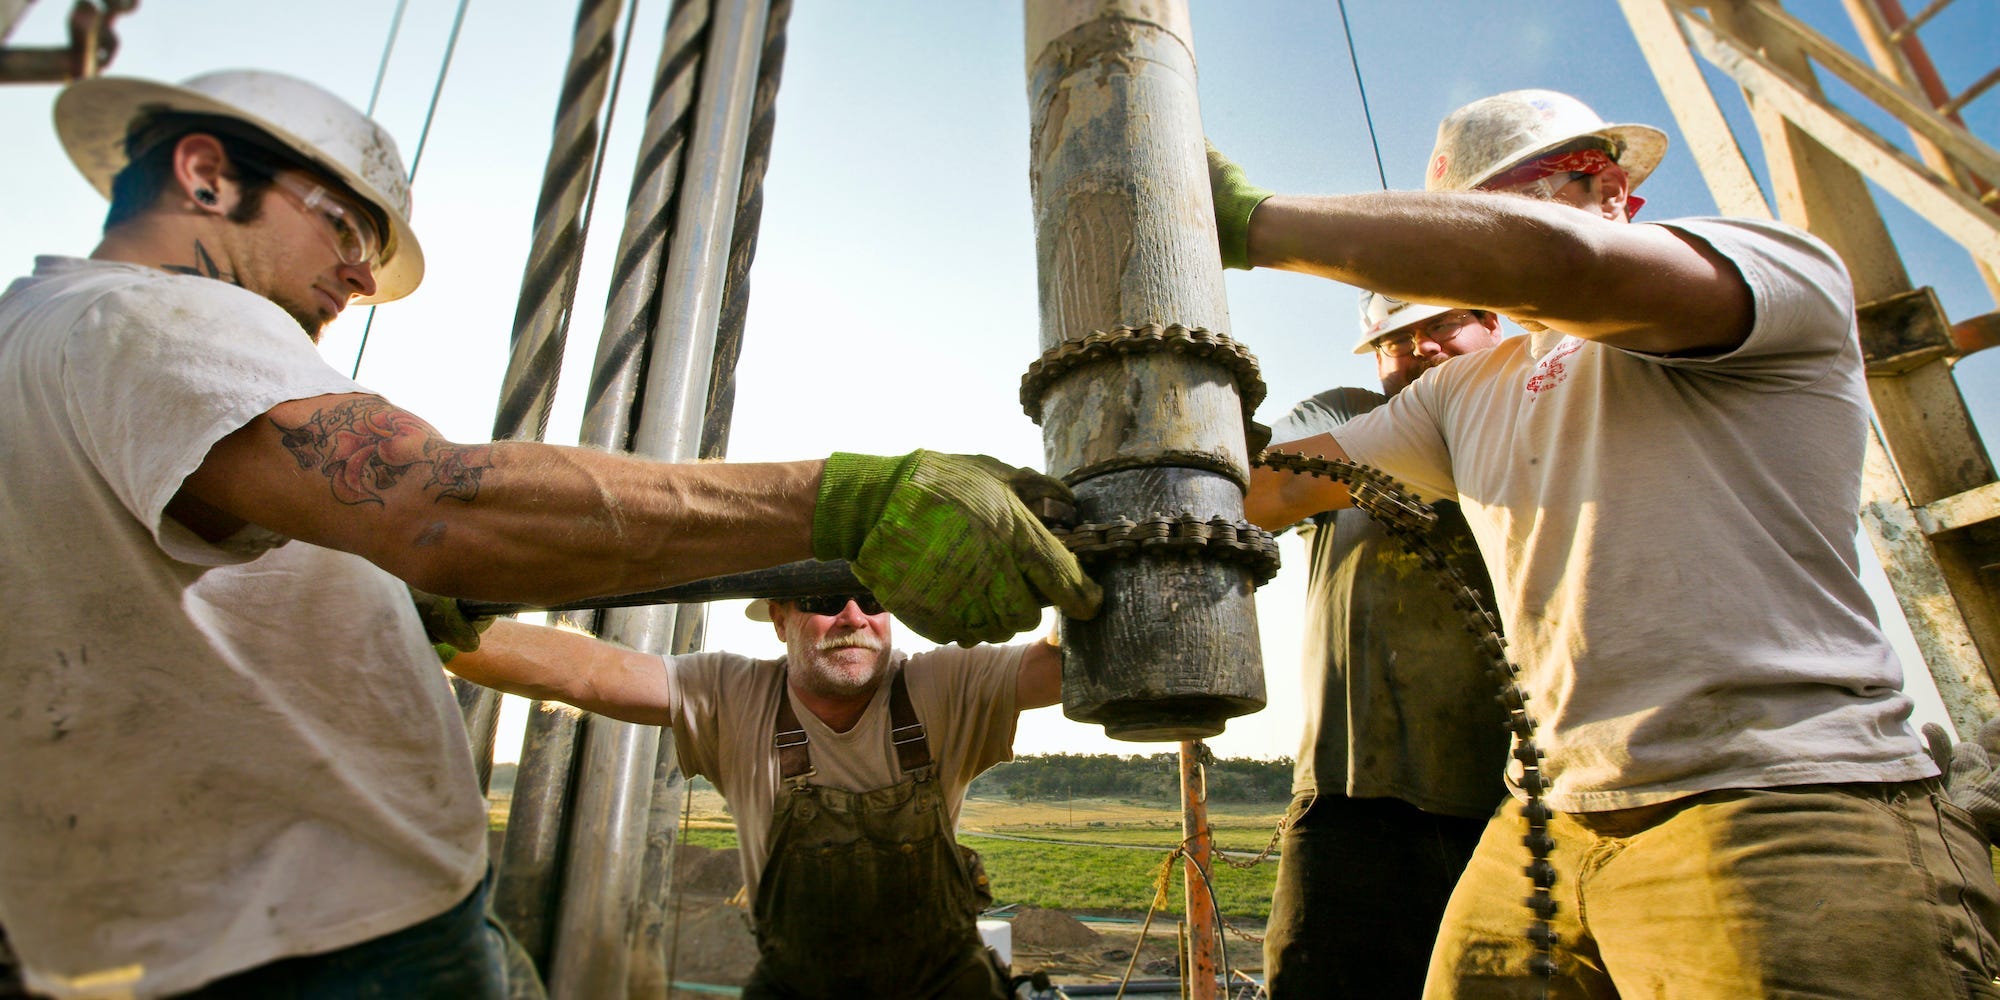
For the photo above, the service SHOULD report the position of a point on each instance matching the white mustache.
(852, 640)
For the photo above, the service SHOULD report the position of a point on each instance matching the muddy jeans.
(1859, 890)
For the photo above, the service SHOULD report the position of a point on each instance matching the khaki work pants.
(1867, 891)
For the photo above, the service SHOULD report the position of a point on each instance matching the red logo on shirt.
(1551, 371)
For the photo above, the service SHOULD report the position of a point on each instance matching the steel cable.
(423, 137)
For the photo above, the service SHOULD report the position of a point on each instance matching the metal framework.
(1929, 498)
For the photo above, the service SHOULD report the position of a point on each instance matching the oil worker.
(844, 764)
(1399, 765)
(233, 764)
(1662, 479)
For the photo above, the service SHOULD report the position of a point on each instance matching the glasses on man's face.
(1438, 330)
(833, 604)
(355, 239)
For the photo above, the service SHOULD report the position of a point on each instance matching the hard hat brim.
(758, 611)
(93, 116)
(1414, 312)
(1641, 149)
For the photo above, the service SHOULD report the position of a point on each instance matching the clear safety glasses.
(1438, 330)
(355, 238)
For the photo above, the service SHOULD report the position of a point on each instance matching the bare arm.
(553, 665)
(1277, 499)
(1637, 287)
(501, 521)
(1038, 683)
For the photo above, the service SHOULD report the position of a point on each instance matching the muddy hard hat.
(1496, 133)
(94, 116)
(1382, 314)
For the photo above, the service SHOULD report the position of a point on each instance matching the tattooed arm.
(501, 521)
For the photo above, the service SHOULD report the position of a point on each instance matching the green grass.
(1109, 880)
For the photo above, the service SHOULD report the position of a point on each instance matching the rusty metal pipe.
(1125, 241)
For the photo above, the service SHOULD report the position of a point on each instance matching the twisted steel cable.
(555, 255)
(531, 859)
(556, 249)
(610, 399)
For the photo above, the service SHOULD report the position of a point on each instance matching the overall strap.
(794, 756)
(913, 745)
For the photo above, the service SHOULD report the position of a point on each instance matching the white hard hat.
(758, 610)
(1497, 133)
(94, 116)
(1381, 314)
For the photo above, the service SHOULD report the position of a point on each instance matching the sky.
(893, 297)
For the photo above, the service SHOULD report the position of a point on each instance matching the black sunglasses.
(833, 604)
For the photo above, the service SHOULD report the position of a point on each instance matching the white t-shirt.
(216, 755)
(1672, 539)
(725, 706)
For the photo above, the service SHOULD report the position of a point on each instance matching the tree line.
(1155, 777)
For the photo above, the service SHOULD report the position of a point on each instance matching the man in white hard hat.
(844, 764)
(233, 764)
(1663, 482)
(1399, 762)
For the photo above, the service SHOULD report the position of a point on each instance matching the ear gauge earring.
(205, 196)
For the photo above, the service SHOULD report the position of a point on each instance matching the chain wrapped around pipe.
(1408, 521)
(1194, 342)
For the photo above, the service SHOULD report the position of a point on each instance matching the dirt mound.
(715, 946)
(704, 871)
(1050, 930)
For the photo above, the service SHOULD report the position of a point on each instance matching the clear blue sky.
(893, 298)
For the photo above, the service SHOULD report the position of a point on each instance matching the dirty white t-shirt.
(725, 705)
(1672, 539)
(215, 755)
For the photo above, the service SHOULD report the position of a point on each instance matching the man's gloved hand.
(1235, 198)
(946, 542)
(1972, 780)
(450, 632)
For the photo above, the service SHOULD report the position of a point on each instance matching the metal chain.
(1408, 521)
(1173, 338)
(1216, 538)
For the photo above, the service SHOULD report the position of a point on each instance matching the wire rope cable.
(1368, 116)
(590, 189)
(389, 46)
(423, 136)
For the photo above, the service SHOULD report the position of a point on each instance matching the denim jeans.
(460, 954)
(1854, 890)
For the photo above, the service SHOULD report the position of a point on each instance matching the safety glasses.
(1438, 330)
(833, 604)
(355, 238)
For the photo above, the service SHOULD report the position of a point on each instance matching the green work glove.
(1973, 782)
(946, 542)
(1235, 199)
(450, 632)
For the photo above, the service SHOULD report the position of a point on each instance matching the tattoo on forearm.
(364, 447)
(204, 267)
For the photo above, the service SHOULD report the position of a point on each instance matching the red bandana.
(1590, 160)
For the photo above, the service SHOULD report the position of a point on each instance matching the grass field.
(1093, 856)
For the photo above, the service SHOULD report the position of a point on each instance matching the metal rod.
(656, 922)
(532, 856)
(614, 786)
(800, 579)
(1201, 916)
